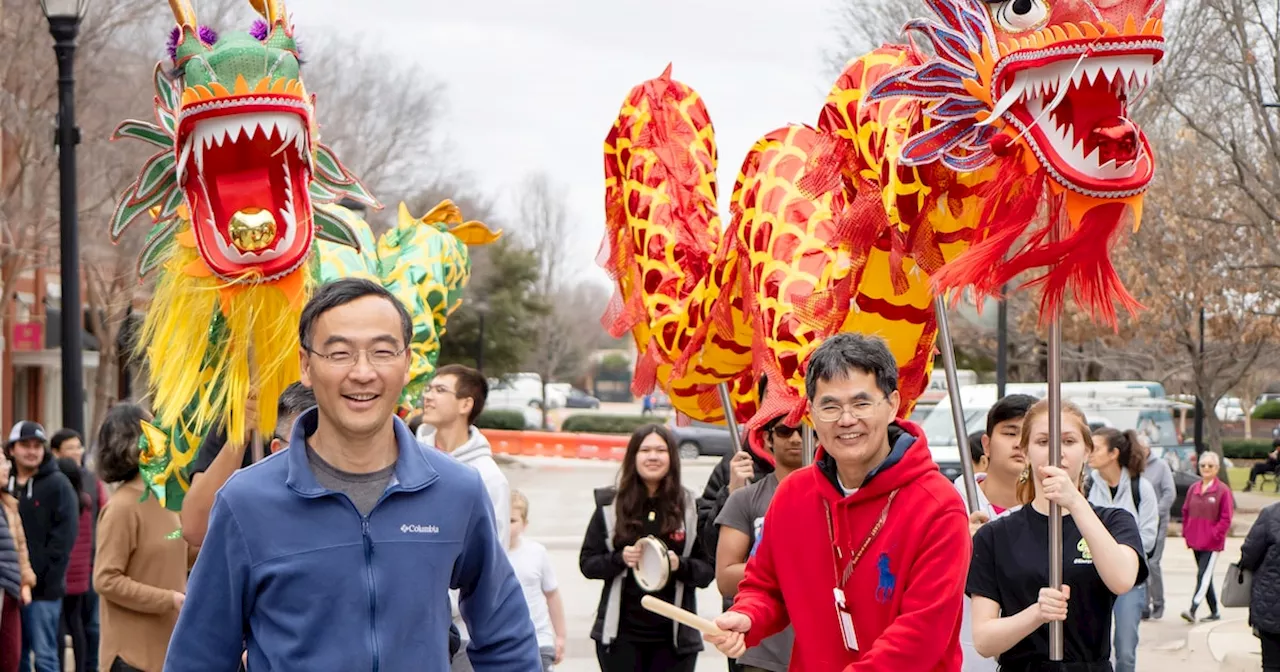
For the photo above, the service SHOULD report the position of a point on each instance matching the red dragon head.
(1052, 76)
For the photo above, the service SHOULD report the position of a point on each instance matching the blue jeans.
(40, 621)
(1128, 616)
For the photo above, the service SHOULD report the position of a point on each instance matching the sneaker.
(1215, 616)
(1146, 615)
(1157, 613)
(1188, 617)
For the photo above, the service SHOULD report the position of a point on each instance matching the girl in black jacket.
(648, 500)
(1260, 554)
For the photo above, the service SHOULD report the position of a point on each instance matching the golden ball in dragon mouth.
(252, 229)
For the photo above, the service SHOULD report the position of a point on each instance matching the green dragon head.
(241, 152)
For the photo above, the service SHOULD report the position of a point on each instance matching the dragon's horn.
(183, 13)
(271, 10)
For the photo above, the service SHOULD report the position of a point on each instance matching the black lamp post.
(1200, 447)
(482, 307)
(64, 24)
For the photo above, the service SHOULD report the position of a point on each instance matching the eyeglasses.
(860, 410)
(345, 359)
(439, 389)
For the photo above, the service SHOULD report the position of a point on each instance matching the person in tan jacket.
(16, 576)
(141, 569)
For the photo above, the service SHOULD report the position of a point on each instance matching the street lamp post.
(64, 24)
(1200, 448)
(482, 307)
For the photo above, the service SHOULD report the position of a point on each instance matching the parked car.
(701, 438)
(522, 391)
(579, 399)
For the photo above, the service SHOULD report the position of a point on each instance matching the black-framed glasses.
(833, 411)
(345, 358)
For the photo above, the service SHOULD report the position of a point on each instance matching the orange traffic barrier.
(558, 444)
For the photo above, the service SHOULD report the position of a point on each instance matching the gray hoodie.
(477, 454)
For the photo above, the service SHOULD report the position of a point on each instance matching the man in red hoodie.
(869, 553)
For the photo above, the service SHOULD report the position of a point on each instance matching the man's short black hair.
(846, 352)
(294, 400)
(471, 385)
(341, 292)
(1011, 407)
(63, 435)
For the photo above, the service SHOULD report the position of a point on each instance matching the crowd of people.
(871, 560)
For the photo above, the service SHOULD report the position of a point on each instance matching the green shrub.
(500, 419)
(1267, 411)
(1246, 449)
(592, 423)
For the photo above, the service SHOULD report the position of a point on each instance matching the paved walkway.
(561, 504)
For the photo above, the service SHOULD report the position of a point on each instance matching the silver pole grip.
(1055, 459)
(730, 420)
(953, 392)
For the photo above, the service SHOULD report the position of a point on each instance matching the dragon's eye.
(1017, 16)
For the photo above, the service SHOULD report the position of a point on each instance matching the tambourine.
(654, 568)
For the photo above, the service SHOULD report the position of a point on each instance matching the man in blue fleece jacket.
(338, 554)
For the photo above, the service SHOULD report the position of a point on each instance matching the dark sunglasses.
(782, 431)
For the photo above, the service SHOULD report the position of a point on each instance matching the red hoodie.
(905, 594)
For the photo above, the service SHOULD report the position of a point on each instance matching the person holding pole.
(868, 547)
(1001, 446)
(1103, 558)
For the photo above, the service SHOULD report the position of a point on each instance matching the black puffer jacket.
(1261, 555)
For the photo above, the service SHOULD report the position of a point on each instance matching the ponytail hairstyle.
(1133, 453)
(1026, 489)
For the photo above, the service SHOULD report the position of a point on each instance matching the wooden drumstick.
(679, 615)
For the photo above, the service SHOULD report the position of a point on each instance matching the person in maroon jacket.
(1206, 519)
(79, 571)
(68, 444)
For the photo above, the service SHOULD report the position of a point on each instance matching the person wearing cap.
(50, 512)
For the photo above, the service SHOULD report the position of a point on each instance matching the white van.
(1122, 404)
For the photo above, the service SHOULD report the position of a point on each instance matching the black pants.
(1261, 468)
(1270, 651)
(119, 665)
(623, 656)
(73, 623)
(1205, 561)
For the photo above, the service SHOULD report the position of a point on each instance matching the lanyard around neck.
(836, 554)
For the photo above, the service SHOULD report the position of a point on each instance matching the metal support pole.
(957, 412)
(1002, 343)
(730, 420)
(64, 30)
(808, 443)
(1055, 459)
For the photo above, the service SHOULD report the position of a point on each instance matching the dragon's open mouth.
(246, 179)
(1071, 102)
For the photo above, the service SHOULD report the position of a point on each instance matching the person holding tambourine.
(642, 540)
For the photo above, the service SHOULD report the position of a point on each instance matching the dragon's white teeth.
(182, 159)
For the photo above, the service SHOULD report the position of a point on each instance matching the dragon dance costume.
(243, 198)
(1003, 148)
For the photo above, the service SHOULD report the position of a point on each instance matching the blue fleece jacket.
(292, 572)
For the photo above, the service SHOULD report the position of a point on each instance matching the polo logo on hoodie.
(420, 529)
(884, 592)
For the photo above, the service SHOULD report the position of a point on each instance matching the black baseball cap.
(25, 430)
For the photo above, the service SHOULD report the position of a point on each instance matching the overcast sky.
(536, 85)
